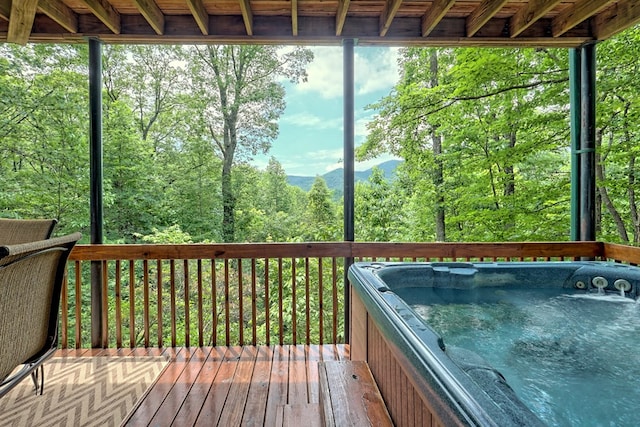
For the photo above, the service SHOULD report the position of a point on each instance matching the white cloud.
(324, 73)
(375, 69)
(306, 119)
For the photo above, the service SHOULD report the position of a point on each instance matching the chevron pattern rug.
(96, 391)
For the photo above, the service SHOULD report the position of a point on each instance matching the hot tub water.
(573, 359)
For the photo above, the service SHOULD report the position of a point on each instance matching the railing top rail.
(479, 250)
(621, 253)
(336, 249)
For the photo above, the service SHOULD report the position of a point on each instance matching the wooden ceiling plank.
(5, 9)
(575, 14)
(621, 16)
(200, 15)
(105, 13)
(22, 16)
(341, 15)
(294, 17)
(530, 13)
(60, 13)
(247, 16)
(485, 11)
(152, 13)
(434, 15)
(388, 13)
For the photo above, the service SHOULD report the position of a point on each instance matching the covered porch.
(245, 325)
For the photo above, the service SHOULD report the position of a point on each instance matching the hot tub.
(429, 377)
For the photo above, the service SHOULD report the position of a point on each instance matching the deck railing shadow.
(252, 294)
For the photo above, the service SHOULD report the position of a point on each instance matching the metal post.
(575, 114)
(95, 172)
(349, 165)
(588, 142)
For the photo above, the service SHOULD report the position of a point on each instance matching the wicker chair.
(31, 276)
(16, 231)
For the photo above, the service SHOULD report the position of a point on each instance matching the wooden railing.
(235, 294)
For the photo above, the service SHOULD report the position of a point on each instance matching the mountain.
(335, 178)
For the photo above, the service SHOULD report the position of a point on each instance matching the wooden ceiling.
(562, 23)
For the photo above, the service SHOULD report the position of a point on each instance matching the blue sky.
(311, 130)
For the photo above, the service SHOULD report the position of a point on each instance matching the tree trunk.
(604, 195)
(438, 170)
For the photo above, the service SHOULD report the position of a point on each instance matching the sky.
(310, 142)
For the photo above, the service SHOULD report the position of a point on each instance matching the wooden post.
(98, 338)
(349, 164)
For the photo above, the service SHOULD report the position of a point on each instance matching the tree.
(320, 217)
(617, 133)
(379, 210)
(239, 99)
(43, 138)
(474, 121)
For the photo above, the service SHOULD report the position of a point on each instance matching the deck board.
(193, 402)
(217, 396)
(221, 386)
(278, 386)
(259, 390)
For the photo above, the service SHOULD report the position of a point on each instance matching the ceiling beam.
(60, 13)
(105, 13)
(5, 9)
(22, 15)
(575, 14)
(247, 16)
(530, 13)
(622, 15)
(484, 12)
(294, 17)
(200, 15)
(388, 13)
(152, 13)
(438, 10)
(341, 15)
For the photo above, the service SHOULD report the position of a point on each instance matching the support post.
(575, 114)
(349, 165)
(95, 172)
(587, 142)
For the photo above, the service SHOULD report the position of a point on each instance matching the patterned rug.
(96, 391)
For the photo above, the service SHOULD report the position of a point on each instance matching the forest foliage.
(484, 135)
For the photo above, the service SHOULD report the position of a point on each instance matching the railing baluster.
(105, 306)
(280, 304)
(294, 322)
(254, 300)
(227, 338)
(267, 303)
(335, 300)
(145, 307)
(118, 298)
(200, 310)
(320, 302)
(187, 324)
(214, 304)
(132, 305)
(240, 304)
(78, 305)
(307, 301)
(159, 291)
(172, 290)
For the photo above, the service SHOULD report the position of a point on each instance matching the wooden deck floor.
(233, 386)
